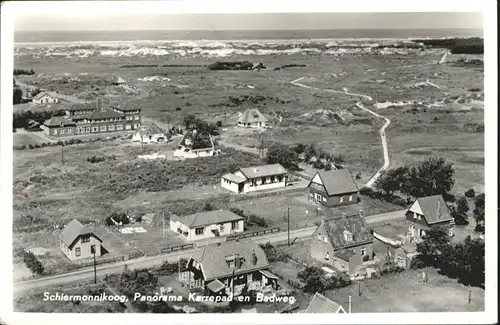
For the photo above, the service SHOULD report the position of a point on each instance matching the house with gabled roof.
(226, 268)
(196, 144)
(253, 118)
(428, 212)
(151, 133)
(333, 188)
(250, 179)
(322, 305)
(45, 97)
(207, 224)
(78, 242)
(342, 241)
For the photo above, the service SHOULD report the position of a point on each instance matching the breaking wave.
(205, 48)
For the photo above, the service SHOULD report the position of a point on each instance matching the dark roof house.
(73, 231)
(214, 259)
(335, 182)
(251, 116)
(347, 231)
(321, 304)
(433, 208)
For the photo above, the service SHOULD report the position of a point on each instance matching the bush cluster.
(33, 263)
(28, 72)
(378, 195)
(118, 217)
(315, 281)
(391, 268)
(250, 219)
(470, 193)
(274, 254)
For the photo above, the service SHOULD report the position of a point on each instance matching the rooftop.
(263, 170)
(206, 218)
(336, 182)
(58, 121)
(233, 178)
(434, 209)
(71, 232)
(213, 258)
(355, 224)
(321, 304)
(252, 115)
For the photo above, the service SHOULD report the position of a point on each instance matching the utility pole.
(349, 304)
(225, 118)
(470, 295)
(62, 153)
(95, 270)
(289, 226)
(232, 282)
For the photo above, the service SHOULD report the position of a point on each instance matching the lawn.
(405, 292)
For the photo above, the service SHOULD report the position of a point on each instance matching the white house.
(208, 224)
(79, 243)
(253, 118)
(150, 134)
(257, 178)
(45, 97)
(195, 144)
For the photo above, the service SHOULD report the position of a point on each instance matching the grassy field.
(405, 292)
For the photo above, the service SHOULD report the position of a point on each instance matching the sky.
(178, 15)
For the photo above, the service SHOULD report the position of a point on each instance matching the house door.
(240, 187)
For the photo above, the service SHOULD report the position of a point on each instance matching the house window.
(327, 255)
(319, 236)
(400, 260)
(324, 199)
(85, 239)
(92, 250)
(111, 127)
(128, 127)
(199, 231)
(421, 232)
(77, 252)
(103, 128)
(222, 227)
(136, 117)
(419, 217)
(350, 198)
(280, 178)
(414, 215)
(318, 197)
(363, 251)
(119, 127)
(234, 225)
(341, 199)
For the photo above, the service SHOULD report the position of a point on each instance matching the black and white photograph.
(189, 158)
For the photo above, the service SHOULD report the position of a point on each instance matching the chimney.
(254, 258)
(237, 262)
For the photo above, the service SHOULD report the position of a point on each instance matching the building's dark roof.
(72, 231)
(234, 178)
(215, 266)
(252, 115)
(355, 224)
(337, 182)
(207, 218)
(263, 171)
(83, 107)
(58, 121)
(196, 140)
(321, 304)
(126, 106)
(103, 114)
(434, 209)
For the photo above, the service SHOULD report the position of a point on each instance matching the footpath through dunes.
(385, 150)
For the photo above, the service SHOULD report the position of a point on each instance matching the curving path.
(376, 176)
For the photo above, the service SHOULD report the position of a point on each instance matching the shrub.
(118, 217)
(274, 254)
(178, 109)
(318, 164)
(470, 193)
(33, 263)
(95, 159)
(31, 146)
(391, 268)
(366, 258)
(138, 219)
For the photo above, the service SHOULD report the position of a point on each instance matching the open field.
(405, 292)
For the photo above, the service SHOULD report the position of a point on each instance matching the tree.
(18, 96)
(284, 156)
(435, 241)
(432, 177)
(460, 211)
(190, 121)
(479, 211)
(470, 193)
(299, 148)
(393, 180)
(310, 151)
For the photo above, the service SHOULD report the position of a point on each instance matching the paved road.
(152, 261)
(374, 178)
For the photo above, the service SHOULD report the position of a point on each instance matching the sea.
(159, 35)
(220, 43)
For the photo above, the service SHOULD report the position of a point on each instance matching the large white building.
(45, 97)
(257, 178)
(208, 224)
(253, 118)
